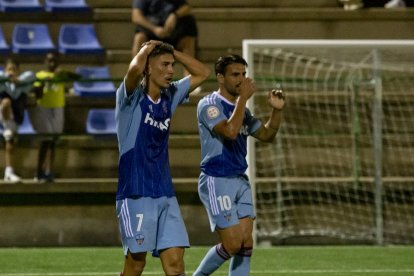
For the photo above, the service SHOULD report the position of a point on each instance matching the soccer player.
(224, 124)
(146, 205)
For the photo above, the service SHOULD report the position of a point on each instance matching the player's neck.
(225, 94)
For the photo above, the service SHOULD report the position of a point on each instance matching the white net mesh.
(322, 178)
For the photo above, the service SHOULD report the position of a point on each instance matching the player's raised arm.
(198, 71)
(268, 131)
(137, 66)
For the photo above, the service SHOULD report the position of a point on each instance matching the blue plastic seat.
(20, 6)
(26, 127)
(101, 121)
(79, 39)
(91, 88)
(66, 6)
(4, 47)
(31, 39)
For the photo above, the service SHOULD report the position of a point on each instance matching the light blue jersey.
(143, 130)
(221, 157)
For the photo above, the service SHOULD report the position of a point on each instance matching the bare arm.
(198, 71)
(137, 66)
(138, 18)
(230, 129)
(268, 131)
(171, 20)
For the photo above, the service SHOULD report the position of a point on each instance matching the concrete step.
(85, 156)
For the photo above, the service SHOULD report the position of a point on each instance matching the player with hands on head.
(146, 204)
(224, 124)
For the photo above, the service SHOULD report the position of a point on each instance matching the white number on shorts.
(140, 218)
(225, 203)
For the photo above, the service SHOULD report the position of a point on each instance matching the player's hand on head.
(276, 98)
(247, 88)
(149, 46)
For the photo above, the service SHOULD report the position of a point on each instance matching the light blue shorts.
(148, 224)
(226, 199)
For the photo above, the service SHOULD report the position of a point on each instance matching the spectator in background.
(13, 97)
(48, 116)
(166, 20)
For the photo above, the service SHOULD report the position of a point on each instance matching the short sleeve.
(210, 113)
(253, 124)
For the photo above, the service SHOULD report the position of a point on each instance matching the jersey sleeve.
(210, 113)
(253, 124)
(123, 100)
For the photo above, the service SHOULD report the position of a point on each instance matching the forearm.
(135, 70)
(271, 127)
(192, 65)
(235, 122)
(183, 11)
(139, 19)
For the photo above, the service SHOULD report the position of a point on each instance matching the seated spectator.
(13, 97)
(166, 20)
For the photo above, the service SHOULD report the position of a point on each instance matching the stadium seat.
(31, 39)
(94, 89)
(101, 121)
(66, 6)
(26, 127)
(20, 6)
(4, 47)
(79, 39)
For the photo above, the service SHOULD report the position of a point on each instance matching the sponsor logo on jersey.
(243, 130)
(212, 112)
(160, 125)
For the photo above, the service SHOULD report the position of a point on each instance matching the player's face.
(51, 62)
(161, 70)
(11, 70)
(233, 77)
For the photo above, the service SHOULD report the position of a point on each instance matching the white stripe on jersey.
(126, 220)
(211, 99)
(212, 195)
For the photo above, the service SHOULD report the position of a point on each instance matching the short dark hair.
(160, 49)
(223, 62)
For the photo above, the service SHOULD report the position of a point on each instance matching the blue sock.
(214, 258)
(240, 263)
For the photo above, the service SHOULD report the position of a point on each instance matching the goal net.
(341, 169)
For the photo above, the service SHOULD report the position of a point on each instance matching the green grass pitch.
(281, 260)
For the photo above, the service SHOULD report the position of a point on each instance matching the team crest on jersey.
(213, 112)
(227, 216)
(140, 239)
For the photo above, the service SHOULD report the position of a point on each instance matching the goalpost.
(342, 167)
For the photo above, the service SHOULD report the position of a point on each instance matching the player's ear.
(148, 70)
(220, 78)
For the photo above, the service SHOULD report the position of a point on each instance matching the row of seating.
(100, 121)
(49, 6)
(36, 39)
